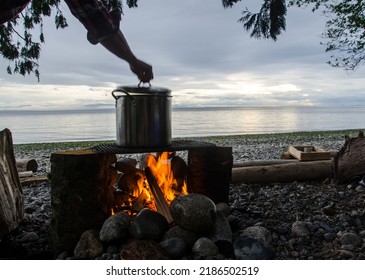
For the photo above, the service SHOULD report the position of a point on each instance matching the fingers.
(143, 71)
(145, 76)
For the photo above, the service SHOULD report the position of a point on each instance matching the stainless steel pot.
(143, 116)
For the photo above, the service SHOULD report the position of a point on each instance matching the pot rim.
(144, 90)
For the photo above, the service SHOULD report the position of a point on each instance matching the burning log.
(127, 165)
(11, 194)
(161, 204)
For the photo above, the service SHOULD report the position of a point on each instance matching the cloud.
(199, 51)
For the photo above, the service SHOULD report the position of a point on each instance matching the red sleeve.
(98, 21)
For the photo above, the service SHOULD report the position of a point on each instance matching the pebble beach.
(296, 220)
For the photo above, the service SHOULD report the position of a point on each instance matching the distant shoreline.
(218, 138)
(177, 108)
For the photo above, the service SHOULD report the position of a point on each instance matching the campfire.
(90, 185)
(152, 183)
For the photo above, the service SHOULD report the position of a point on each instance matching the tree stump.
(349, 163)
(209, 172)
(81, 194)
(11, 193)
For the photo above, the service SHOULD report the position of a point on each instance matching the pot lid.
(144, 90)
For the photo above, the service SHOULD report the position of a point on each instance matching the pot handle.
(119, 90)
(123, 91)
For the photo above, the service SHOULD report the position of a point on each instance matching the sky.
(199, 51)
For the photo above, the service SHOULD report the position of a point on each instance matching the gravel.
(306, 220)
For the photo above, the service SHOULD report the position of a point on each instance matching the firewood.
(26, 164)
(34, 180)
(11, 194)
(25, 174)
(161, 204)
(127, 165)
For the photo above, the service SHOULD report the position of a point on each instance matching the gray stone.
(148, 224)
(223, 207)
(329, 236)
(249, 248)
(189, 237)
(142, 250)
(299, 229)
(350, 238)
(205, 247)
(222, 230)
(115, 228)
(89, 245)
(194, 212)
(29, 237)
(257, 232)
(175, 248)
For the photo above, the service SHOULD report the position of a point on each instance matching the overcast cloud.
(199, 51)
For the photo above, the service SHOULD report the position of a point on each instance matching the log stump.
(82, 184)
(11, 193)
(209, 172)
(349, 163)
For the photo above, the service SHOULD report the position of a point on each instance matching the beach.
(296, 220)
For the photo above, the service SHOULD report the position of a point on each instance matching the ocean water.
(85, 125)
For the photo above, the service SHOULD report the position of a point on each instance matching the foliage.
(18, 42)
(345, 29)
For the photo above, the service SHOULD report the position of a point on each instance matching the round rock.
(194, 212)
(175, 248)
(148, 224)
(205, 247)
(350, 238)
(249, 248)
(115, 228)
(189, 237)
(300, 229)
(257, 232)
(89, 245)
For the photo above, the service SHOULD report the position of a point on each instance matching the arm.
(103, 27)
(117, 44)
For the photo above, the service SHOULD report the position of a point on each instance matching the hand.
(142, 70)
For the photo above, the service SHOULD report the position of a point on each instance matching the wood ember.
(161, 204)
(127, 165)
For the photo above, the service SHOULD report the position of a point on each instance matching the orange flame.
(161, 169)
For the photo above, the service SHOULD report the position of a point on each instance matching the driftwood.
(25, 174)
(34, 180)
(250, 163)
(26, 164)
(11, 194)
(282, 173)
(82, 186)
(349, 163)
